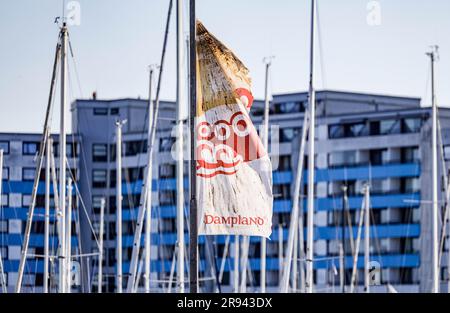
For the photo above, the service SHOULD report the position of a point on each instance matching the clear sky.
(117, 39)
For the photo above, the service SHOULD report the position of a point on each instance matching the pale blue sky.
(117, 39)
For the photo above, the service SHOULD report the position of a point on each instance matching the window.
(28, 173)
(4, 145)
(135, 147)
(390, 127)
(99, 178)
(133, 174)
(167, 170)
(30, 148)
(287, 134)
(26, 200)
(5, 173)
(96, 204)
(167, 197)
(290, 107)
(282, 191)
(447, 153)
(378, 156)
(335, 131)
(342, 158)
(100, 111)
(285, 163)
(72, 149)
(357, 129)
(99, 152)
(114, 111)
(410, 185)
(165, 144)
(412, 125)
(4, 199)
(411, 154)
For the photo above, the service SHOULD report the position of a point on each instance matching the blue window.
(30, 148)
(100, 111)
(4, 145)
(28, 173)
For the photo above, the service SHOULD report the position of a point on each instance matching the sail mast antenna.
(433, 54)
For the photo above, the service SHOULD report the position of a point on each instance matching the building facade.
(19, 169)
(383, 141)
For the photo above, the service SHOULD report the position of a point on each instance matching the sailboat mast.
(434, 179)
(148, 203)
(100, 246)
(119, 206)
(62, 161)
(193, 215)
(2, 273)
(311, 154)
(68, 265)
(367, 240)
(179, 150)
(47, 213)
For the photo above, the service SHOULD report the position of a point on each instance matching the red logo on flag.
(224, 145)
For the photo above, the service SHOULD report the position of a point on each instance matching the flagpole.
(148, 202)
(311, 138)
(193, 253)
(435, 261)
(180, 159)
(119, 247)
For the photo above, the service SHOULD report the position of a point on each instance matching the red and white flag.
(234, 173)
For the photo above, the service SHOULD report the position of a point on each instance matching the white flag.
(234, 173)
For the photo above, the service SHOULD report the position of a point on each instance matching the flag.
(234, 173)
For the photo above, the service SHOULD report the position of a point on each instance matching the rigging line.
(75, 66)
(75, 183)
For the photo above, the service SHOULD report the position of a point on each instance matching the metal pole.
(434, 180)
(358, 241)
(280, 251)
(294, 264)
(148, 206)
(341, 267)
(266, 146)
(311, 154)
(236, 264)
(367, 240)
(62, 159)
(100, 255)
(2, 273)
(69, 236)
(119, 206)
(343, 243)
(224, 258)
(179, 149)
(301, 250)
(193, 215)
(47, 213)
(59, 219)
(293, 227)
(244, 259)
